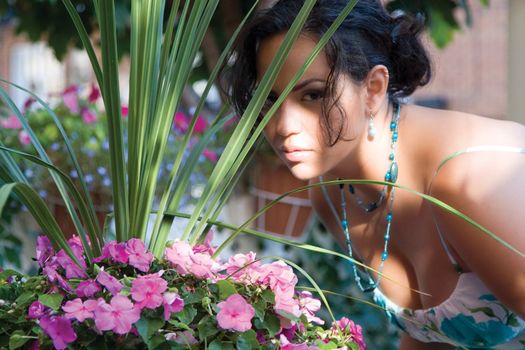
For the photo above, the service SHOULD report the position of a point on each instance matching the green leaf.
(287, 315)
(195, 297)
(179, 324)
(260, 308)
(326, 346)
(247, 340)
(147, 327)
(442, 22)
(353, 346)
(25, 298)
(268, 296)
(220, 345)
(226, 288)
(51, 300)
(272, 324)
(207, 327)
(18, 339)
(187, 314)
(8, 273)
(156, 341)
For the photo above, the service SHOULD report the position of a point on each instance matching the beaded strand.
(391, 176)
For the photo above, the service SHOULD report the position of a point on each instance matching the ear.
(376, 85)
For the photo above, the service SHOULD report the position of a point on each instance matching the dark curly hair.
(369, 36)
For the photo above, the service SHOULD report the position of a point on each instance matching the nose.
(287, 119)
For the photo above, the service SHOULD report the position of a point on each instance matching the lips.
(295, 154)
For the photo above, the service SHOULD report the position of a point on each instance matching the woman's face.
(295, 131)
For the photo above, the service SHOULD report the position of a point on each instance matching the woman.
(445, 283)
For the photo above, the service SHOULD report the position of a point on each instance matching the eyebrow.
(307, 82)
(303, 83)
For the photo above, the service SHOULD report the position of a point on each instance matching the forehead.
(301, 49)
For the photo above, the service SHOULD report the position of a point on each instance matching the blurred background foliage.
(48, 20)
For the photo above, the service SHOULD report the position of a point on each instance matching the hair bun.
(405, 25)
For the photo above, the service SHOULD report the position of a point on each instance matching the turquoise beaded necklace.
(391, 176)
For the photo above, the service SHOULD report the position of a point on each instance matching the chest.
(417, 272)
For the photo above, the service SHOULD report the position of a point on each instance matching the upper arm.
(489, 188)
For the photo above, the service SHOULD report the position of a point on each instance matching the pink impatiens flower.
(287, 345)
(185, 260)
(179, 255)
(44, 249)
(206, 246)
(278, 274)
(235, 313)
(147, 291)
(309, 306)
(70, 97)
(87, 288)
(59, 329)
(124, 110)
(285, 301)
(181, 121)
(24, 138)
(118, 316)
(200, 125)
(348, 327)
(88, 116)
(71, 268)
(203, 265)
(109, 282)
(243, 267)
(114, 251)
(94, 94)
(210, 155)
(80, 310)
(36, 310)
(11, 122)
(139, 257)
(172, 303)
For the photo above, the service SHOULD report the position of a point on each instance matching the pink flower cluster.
(281, 280)
(235, 313)
(181, 123)
(71, 101)
(120, 312)
(115, 301)
(347, 328)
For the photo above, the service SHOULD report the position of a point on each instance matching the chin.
(303, 172)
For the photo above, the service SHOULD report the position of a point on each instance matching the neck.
(370, 159)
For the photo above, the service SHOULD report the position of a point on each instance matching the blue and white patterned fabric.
(471, 318)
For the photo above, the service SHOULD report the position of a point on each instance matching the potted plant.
(142, 291)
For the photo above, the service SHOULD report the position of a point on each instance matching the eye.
(313, 95)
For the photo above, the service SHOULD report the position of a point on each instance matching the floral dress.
(470, 318)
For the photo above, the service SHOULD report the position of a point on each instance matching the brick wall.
(471, 73)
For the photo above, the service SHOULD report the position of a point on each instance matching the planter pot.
(289, 217)
(63, 219)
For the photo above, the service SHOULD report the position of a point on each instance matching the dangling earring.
(371, 127)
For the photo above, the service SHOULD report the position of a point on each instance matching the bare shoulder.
(486, 184)
(481, 156)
